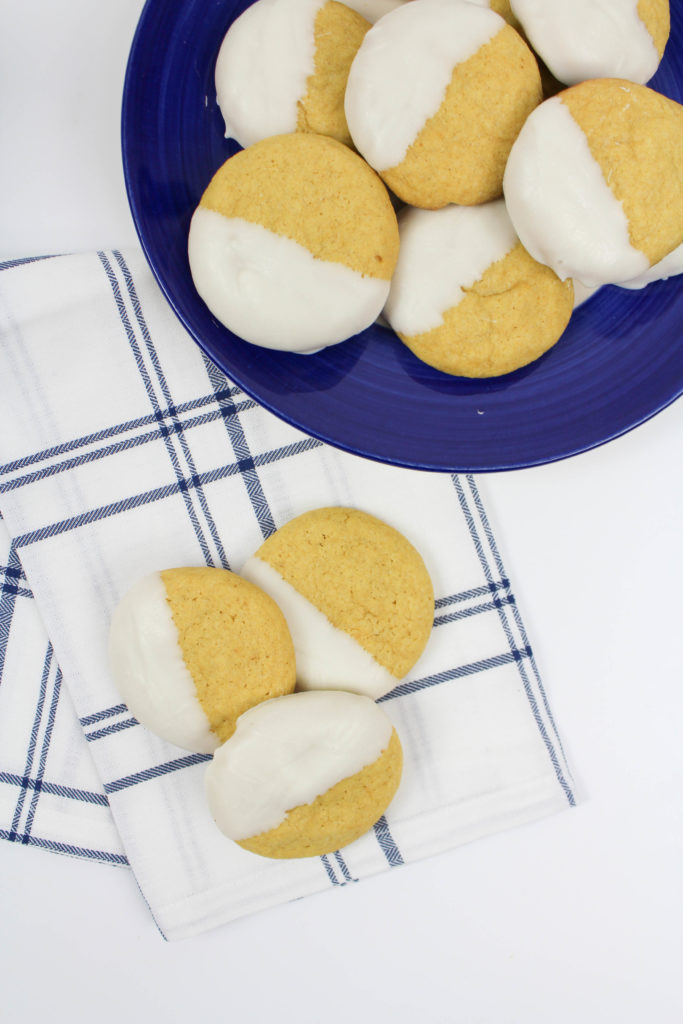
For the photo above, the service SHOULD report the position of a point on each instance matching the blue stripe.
(468, 595)
(155, 772)
(329, 869)
(110, 729)
(142, 370)
(54, 789)
(515, 611)
(343, 867)
(34, 733)
(47, 737)
(521, 667)
(245, 461)
(414, 685)
(466, 613)
(8, 596)
(11, 264)
(158, 494)
(86, 440)
(156, 363)
(74, 851)
(99, 716)
(387, 843)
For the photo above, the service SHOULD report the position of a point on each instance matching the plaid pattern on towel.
(124, 451)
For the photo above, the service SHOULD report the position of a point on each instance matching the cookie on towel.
(282, 67)
(294, 242)
(594, 182)
(305, 775)
(436, 95)
(356, 594)
(582, 39)
(191, 649)
(466, 296)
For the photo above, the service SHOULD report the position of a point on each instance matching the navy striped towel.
(124, 451)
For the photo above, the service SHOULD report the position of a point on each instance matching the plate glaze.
(619, 362)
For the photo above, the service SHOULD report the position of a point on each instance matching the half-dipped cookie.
(191, 649)
(304, 775)
(356, 594)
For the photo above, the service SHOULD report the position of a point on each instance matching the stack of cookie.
(276, 673)
(443, 105)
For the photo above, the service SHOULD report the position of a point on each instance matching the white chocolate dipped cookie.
(582, 39)
(305, 775)
(282, 67)
(191, 649)
(467, 298)
(357, 597)
(294, 243)
(436, 95)
(594, 183)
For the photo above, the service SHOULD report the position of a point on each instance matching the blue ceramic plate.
(619, 362)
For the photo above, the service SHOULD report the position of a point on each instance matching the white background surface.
(575, 918)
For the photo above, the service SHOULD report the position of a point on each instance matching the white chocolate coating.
(398, 78)
(373, 10)
(272, 291)
(262, 68)
(286, 752)
(561, 206)
(148, 668)
(582, 39)
(327, 658)
(442, 252)
(662, 271)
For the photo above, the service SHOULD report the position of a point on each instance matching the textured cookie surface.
(304, 775)
(282, 67)
(581, 39)
(594, 182)
(467, 298)
(356, 594)
(436, 95)
(193, 648)
(294, 242)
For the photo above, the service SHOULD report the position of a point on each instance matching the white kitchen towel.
(124, 451)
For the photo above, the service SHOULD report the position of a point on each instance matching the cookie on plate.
(594, 182)
(356, 595)
(282, 67)
(467, 297)
(436, 95)
(305, 775)
(581, 39)
(191, 649)
(293, 243)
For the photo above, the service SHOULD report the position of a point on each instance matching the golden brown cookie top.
(315, 191)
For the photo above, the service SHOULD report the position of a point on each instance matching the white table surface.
(574, 918)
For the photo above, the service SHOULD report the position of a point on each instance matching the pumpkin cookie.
(436, 95)
(581, 39)
(282, 67)
(467, 297)
(192, 649)
(305, 775)
(594, 183)
(356, 595)
(294, 242)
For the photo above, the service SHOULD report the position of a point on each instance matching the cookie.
(436, 95)
(305, 775)
(282, 67)
(191, 649)
(356, 595)
(293, 243)
(501, 7)
(467, 297)
(581, 39)
(594, 183)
